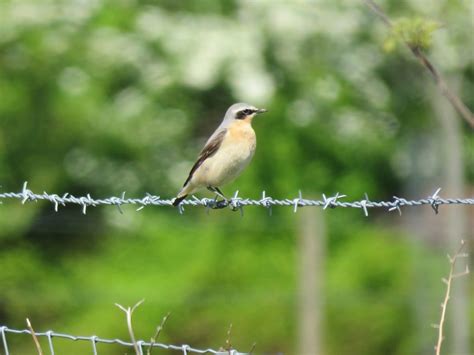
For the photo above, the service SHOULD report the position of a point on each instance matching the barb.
(235, 202)
(184, 349)
(439, 80)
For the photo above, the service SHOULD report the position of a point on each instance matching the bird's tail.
(185, 191)
(178, 200)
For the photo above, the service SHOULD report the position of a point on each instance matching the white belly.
(228, 162)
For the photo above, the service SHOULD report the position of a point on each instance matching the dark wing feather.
(208, 151)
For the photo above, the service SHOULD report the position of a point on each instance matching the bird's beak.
(261, 110)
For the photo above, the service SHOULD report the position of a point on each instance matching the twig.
(252, 349)
(228, 343)
(457, 103)
(157, 334)
(448, 282)
(129, 312)
(35, 338)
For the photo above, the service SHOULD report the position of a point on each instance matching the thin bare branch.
(157, 334)
(378, 10)
(452, 275)
(129, 312)
(35, 338)
(455, 101)
(228, 343)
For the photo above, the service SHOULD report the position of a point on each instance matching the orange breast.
(241, 131)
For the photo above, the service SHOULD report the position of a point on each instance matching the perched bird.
(226, 153)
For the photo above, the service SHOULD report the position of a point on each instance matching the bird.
(226, 153)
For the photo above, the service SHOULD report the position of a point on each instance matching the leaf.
(415, 32)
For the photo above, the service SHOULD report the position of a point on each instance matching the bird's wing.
(209, 150)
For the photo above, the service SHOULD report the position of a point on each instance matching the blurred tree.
(104, 96)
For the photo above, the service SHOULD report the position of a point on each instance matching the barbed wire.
(235, 202)
(94, 340)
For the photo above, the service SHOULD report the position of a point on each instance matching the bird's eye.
(248, 111)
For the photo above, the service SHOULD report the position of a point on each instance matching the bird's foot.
(218, 204)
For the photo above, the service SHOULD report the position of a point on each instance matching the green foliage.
(102, 97)
(415, 32)
(368, 283)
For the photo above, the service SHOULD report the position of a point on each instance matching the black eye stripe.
(244, 113)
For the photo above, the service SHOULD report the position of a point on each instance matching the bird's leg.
(210, 188)
(219, 192)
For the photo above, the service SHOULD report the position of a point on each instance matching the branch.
(228, 343)
(129, 312)
(448, 282)
(457, 103)
(157, 333)
(35, 338)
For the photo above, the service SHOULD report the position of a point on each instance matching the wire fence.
(235, 202)
(94, 340)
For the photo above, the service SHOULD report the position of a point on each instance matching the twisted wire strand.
(185, 349)
(235, 202)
